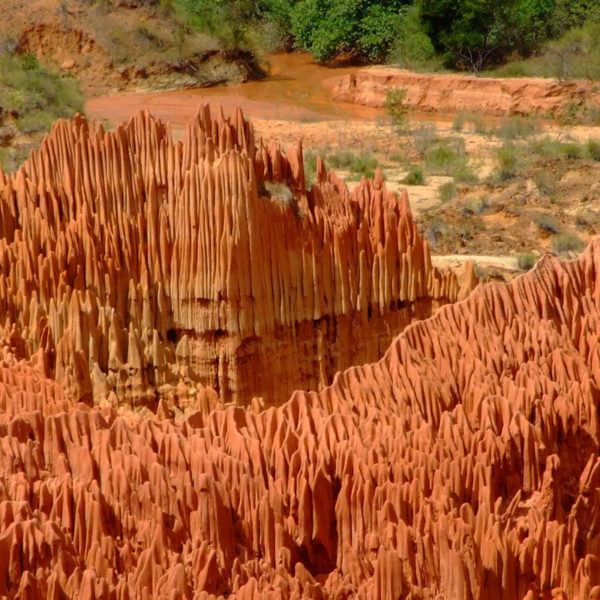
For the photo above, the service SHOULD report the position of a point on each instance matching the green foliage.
(345, 160)
(228, 20)
(466, 34)
(446, 158)
(585, 113)
(395, 107)
(415, 176)
(366, 29)
(516, 128)
(574, 55)
(592, 148)
(459, 121)
(526, 260)
(584, 217)
(412, 46)
(546, 223)
(508, 161)
(364, 165)
(546, 182)
(447, 191)
(423, 137)
(475, 206)
(566, 243)
(38, 96)
(473, 119)
(310, 167)
(477, 33)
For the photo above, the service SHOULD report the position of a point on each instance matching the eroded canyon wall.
(442, 93)
(464, 464)
(132, 265)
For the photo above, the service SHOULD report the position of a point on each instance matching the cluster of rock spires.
(133, 266)
(464, 464)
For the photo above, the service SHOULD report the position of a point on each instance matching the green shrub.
(278, 189)
(479, 124)
(436, 230)
(34, 121)
(447, 191)
(462, 173)
(38, 96)
(526, 260)
(459, 121)
(440, 159)
(412, 46)
(310, 167)
(415, 176)
(396, 107)
(546, 146)
(592, 148)
(516, 128)
(584, 217)
(546, 223)
(565, 243)
(546, 182)
(451, 160)
(364, 165)
(585, 113)
(398, 158)
(341, 160)
(423, 138)
(508, 161)
(572, 150)
(475, 206)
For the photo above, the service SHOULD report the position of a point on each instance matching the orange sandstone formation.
(132, 265)
(452, 93)
(462, 465)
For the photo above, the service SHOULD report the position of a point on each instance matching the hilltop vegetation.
(457, 34)
(31, 98)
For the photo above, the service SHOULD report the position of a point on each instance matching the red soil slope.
(453, 93)
(147, 268)
(462, 465)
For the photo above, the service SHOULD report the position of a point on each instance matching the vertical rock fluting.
(131, 263)
(463, 464)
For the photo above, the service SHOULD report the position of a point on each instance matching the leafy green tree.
(363, 28)
(475, 33)
(412, 44)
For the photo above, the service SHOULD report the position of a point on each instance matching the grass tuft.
(415, 176)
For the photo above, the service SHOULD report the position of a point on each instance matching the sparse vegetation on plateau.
(546, 223)
(526, 260)
(31, 98)
(566, 243)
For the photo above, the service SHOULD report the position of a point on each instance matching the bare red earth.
(464, 464)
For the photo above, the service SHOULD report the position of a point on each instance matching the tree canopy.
(469, 34)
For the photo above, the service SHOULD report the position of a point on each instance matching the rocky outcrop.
(134, 268)
(453, 93)
(464, 464)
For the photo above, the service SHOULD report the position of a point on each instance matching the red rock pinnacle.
(131, 264)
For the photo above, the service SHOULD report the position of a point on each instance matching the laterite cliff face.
(452, 93)
(464, 464)
(134, 268)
